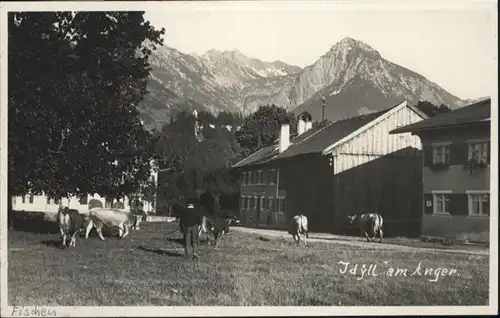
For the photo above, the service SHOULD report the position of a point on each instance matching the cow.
(217, 226)
(298, 228)
(70, 224)
(100, 217)
(368, 223)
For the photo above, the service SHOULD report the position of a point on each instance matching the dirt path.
(330, 238)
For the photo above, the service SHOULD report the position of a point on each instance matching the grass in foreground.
(147, 268)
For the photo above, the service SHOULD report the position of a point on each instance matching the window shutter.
(428, 155)
(428, 209)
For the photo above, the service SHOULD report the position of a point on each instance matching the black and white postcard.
(248, 158)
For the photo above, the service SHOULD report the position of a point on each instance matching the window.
(247, 205)
(13, 200)
(48, 200)
(260, 179)
(479, 151)
(56, 201)
(281, 204)
(272, 176)
(441, 202)
(243, 178)
(254, 177)
(265, 203)
(270, 204)
(32, 198)
(479, 203)
(83, 199)
(441, 154)
(108, 203)
(254, 205)
(23, 199)
(262, 203)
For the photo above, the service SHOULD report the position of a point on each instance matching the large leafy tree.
(75, 79)
(262, 128)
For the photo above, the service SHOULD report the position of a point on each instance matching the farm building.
(349, 166)
(456, 172)
(42, 203)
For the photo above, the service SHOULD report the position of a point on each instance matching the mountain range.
(350, 79)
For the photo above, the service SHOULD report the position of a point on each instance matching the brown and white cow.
(70, 224)
(298, 228)
(371, 223)
(99, 217)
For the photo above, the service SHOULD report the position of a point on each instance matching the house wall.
(41, 204)
(376, 142)
(457, 180)
(259, 199)
(390, 185)
(307, 183)
(379, 172)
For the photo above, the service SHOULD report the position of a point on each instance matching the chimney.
(301, 126)
(305, 123)
(308, 125)
(284, 137)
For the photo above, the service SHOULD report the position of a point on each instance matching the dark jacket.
(190, 217)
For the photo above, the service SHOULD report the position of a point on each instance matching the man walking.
(190, 220)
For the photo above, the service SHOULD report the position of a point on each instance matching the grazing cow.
(218, 226)
(100, 217)
(298, 228)
(368, 223)
(70, 224)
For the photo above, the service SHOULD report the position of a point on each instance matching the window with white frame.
(272, 176)
(441, 202)
(247, 203)
(441, 153)
(270, 204)
(479, 151)
(254, 205)
(479, 203)
(281, 204)
(262, 203)
(243, 178)
(260, 179)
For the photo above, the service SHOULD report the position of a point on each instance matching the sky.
(454, 47)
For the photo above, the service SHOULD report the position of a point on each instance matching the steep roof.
(475, 113)
(312, 141)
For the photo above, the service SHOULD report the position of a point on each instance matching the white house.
(42, 203)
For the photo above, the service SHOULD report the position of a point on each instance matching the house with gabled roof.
(456, 172)
(349, 166)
